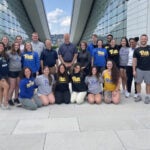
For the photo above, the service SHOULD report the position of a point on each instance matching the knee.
(107, 101)
(116, 102)
(45, 103)
(91, 101)
(79, 101)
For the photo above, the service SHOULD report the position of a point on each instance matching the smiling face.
(77, 69)
(123, 43)
(113, 43)
(83, 46)
(46, 71)
(62, 69)
(143, 40)
(109, 65)
(5, 40)
(16, 46)
(28, 47)
(27, 73)
(94, 71)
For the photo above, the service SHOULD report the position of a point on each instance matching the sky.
(58, 15)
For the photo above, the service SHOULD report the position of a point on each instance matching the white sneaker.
(127, 94)
(135, 95)
(5, 107)
(123, 92)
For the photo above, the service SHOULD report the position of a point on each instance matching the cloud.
(59, 21)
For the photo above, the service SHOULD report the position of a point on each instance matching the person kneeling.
(111, 78)
(26, 94)
(45, 85)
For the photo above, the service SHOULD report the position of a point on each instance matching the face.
(94, 71)
(77, 69)
(83, 46)
(48, 44)
(109, 38)
(132, 43)
(5, 40)
(28, 46)
(19, 40)
(16, 46)
(62, 69)
(113, 43)
(1, 48)
(123, 42)
(94, 39)
(143, 40)
(67, 38)
(27, 73)
(46, 71)
(35, 37)
(109, 65)
(100, 43)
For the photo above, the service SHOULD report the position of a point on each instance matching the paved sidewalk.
(77, 127)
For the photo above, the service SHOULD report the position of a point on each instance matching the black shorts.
(122, 67)
(14, 74)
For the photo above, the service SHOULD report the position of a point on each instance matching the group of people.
(34, 75)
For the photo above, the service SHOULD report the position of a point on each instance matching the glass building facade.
(107, 16)
(14, 20)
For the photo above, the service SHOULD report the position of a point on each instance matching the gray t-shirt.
(14, 61)
(38, 47)
(123, 56)
(94, 84)
(44, 87)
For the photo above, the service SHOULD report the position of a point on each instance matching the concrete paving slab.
(7, 126)
(46, 125)
(22, 142)
(135, 140)
(97, 123)
(83, 141)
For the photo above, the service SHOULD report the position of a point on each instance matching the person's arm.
(92, 61)
(61, 59)
(74, 58)
(37, 62)
(118, 85)
(134, 64)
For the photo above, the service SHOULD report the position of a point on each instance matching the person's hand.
(134, 73)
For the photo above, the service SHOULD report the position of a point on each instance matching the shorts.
(14, 74)
(122, 67)
(93, 93)
(142, 75)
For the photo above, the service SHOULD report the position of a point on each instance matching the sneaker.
(138, 99)
(16, 100)
(10, 102)
(127, 94)
(147, 100)
(5, 107)
(135, 95)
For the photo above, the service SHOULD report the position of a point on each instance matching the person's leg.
(81, 97)
(129, 74)
(91, 98)
(98, 98)
(51, 98)
(58, 97)
(66, 97)
(5, 86)
(107, 97)
(122, 78)
(37, 100)
(17, 87)
(1, 94)
(44, 99)
(116, 97)
(73, 97)
(28, 104)
(12, 83)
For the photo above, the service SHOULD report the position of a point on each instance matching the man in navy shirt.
(67, 52)
(49, 57)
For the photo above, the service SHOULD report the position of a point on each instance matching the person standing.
(4, 86)
(141, 68)
(99, 57)
(109, 38)
(67, 52)
(49, 58)
(84, 58)
(15, 68)
(37, 46)
(5, 40)
(129, 70)
(19, 40)
(93, 44)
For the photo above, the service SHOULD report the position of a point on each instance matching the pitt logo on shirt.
(101, 53)
(62, 79)
(144, 53)
(30, 57)
(31, 83)
(76, 79)
(113, 51)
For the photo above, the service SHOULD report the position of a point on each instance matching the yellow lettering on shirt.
(101, 53)
(113, 51)
(31, 83)
(30, 57)
(106, 47)
(62, 79)
(144, 53)
(76, 79)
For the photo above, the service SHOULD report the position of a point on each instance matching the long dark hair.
(115, 74)
(50, 79)
(127, 43)
(13, 51)
(97, 74)
(65, 74)
(22, 74)
(3, 53)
